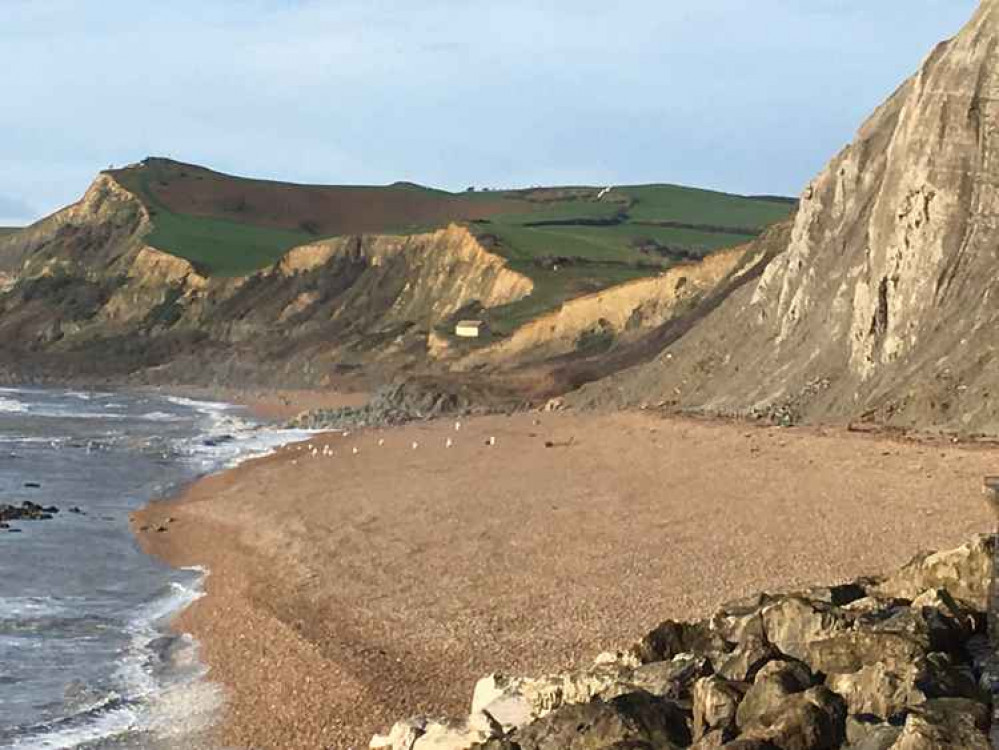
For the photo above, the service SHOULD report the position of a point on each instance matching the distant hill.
(569, 240)
(177, 272)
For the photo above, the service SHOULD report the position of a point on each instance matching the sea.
(87, 659)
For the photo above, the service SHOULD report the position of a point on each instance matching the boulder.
(402, 736)
(877, 690)
(792, 624)
(770, 691)
(421, 734)
(500, 696)
(716, 702)
(849, 651)
(672, 638)
(671, 679)
(601, 725)
(964, 573)
(748, 658)
(865, 734)
(946, 724)
(812, 720)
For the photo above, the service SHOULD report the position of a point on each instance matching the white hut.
(469, 329)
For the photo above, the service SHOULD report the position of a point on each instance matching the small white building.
(469, 329)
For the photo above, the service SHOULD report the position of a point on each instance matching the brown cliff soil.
(326, 210)
(348, 591)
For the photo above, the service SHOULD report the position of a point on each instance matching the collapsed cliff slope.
(883, 304)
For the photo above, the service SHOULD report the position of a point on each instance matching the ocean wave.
(162, 416)
(199, 405)
(111, 717)
(146, 699)
(12, 406)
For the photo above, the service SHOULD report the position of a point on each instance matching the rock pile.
(896, 663)
(408, 401)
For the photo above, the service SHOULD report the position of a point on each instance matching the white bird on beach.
(448, 443)
(415, 445)
(457, 426)
(381, 442)
(355, 450)
(491, 441)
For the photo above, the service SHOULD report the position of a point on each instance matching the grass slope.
(8, 230)
(569, 240)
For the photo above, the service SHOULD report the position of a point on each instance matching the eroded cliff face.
(883, 305)
(84, 284)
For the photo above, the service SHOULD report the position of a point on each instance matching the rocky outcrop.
(882, 306)
(889, 664)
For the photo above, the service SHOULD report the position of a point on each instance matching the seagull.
(448, 443)
(415, 445)
(355, 450)
(381, 442)
(457, 426)
(491, 441)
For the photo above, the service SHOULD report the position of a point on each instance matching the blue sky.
(743, 96)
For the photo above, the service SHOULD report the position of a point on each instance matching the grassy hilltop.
(569, 240)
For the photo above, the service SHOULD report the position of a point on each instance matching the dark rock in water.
(33, 485)
(217, 440)
(77, 510)
(27, 511)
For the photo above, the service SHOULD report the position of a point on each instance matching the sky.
(747, 97)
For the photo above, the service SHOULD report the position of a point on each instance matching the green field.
(215, 246)
(8, 230)
(657, 203)
(568, 240)
(222, 248)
